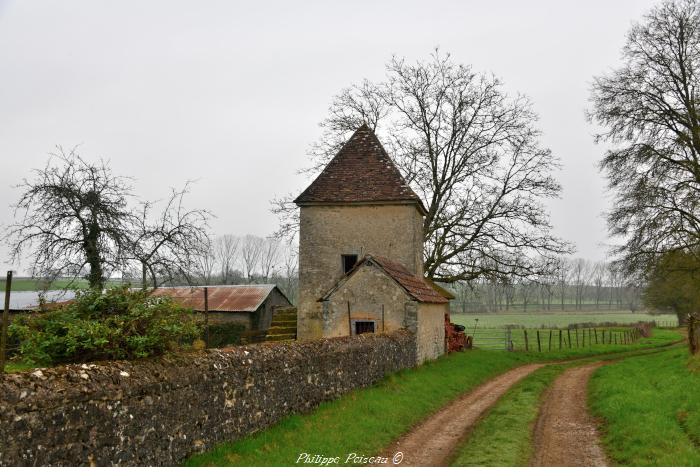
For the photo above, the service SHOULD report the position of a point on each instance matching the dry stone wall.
(158, 411)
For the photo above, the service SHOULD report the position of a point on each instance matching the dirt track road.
(433, 442)
(565, 433)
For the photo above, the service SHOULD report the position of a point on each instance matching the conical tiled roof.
(361, 172)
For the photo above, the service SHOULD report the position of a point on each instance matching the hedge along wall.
(157, 411)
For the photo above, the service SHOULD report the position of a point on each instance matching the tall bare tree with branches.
(73, 219)
(470, 151)
(649, 111)
(166, 244)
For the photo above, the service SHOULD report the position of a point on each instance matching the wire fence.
(544, 340)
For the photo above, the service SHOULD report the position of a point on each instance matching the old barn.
(249, 305)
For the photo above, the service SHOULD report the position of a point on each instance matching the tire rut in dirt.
(565, 432)
(433, 442)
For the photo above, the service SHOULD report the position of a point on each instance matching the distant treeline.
(576, 284)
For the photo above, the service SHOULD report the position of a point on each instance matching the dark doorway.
(362, 327)
(349, 262)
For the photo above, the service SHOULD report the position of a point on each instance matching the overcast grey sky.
(231, 93)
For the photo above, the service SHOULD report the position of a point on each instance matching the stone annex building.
(361, 252)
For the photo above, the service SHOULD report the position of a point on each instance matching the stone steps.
(281, 337)
(283, 326)
(274, 330)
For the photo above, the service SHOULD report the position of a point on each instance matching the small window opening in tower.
(349, 262)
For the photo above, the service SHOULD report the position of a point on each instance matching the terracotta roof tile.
(416, 286)
(362, 171)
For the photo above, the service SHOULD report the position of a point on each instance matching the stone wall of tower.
(327, 232)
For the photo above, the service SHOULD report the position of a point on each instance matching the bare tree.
(526, 289)
(251, 250)
(202, 268)
(74, 218)
(269, 257)
(598, 276)
(580, 279)
(167, 245)
(291, 272)
(649, 108)
(471, 153)
(616, 280)
(563, 274)
(226, 249)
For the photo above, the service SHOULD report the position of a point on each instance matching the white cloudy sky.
(230, 93)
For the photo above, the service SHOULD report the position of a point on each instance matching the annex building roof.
(415, 286)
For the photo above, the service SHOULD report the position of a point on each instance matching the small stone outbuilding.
(249, 305)
(380, 295)
(361, 252)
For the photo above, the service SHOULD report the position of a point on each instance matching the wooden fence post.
(550, 340)
(539, 347)
(577, 338)
(583, 338)
(568, 333)
(693, 334)
(595, 334)
(5, 321)
(560, 339)
(526, 346)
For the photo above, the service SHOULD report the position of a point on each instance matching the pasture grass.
(554, 319)
(573, 341)
(651, 409)
(367, 420)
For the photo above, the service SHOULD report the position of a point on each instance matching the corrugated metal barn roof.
(231, 298)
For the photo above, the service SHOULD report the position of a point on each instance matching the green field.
(367, 420)
(651, 409)
(27, 284)
(555, 320)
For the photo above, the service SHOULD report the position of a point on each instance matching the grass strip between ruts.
(504, 436)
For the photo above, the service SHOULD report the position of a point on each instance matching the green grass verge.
(651, 409)
(367, 420)
(504, 436)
